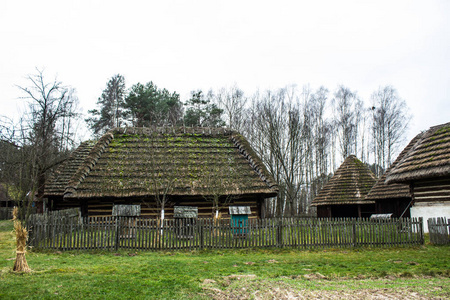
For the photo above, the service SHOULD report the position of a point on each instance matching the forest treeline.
(302, 135)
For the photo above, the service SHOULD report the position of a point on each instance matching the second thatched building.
(425, 168)
(344, 195)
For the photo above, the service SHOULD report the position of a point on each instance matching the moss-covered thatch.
(349, 185)
(383, 191)
(429, 157)
(140, 162)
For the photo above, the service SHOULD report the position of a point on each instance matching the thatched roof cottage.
(187, 166)
(426, 168)
(344, 195)
(394, 198)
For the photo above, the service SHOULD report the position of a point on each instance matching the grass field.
(402, 273)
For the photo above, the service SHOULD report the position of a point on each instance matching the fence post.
(29, 227)
(354, 233)
(201, 225)
(280, 233)
(117, 229)
(422, 240)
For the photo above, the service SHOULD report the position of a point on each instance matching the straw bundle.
(20, 265)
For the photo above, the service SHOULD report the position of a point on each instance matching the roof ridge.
(173, 130)
(252, 159)
(59, 170)
(89, 163)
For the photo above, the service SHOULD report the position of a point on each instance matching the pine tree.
(111, 112)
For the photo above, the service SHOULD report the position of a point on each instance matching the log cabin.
(426, 169)
(192, 167)
(344, 195)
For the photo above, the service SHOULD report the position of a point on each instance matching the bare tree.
(390, 121)
(276, 133)
(346, 106)
(32, 149)
(232, 101)
(318, 102)
(317, 132)
(48, 125)
(17, 168)
(220, 184)
(161, 177)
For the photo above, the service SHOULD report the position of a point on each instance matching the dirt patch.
(250, 287)
(314, 276)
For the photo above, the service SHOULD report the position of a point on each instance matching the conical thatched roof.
(141, 162)
(381, 190)
(429, 157)
(349, 185)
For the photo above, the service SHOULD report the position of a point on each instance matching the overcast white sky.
(187, 45)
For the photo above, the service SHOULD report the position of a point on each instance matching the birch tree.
(319, 141)
(346, 105)
(390, 121)
(278, 141)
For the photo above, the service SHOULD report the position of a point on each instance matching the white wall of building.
(430, 210)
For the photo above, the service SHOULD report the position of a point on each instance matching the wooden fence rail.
(113, 233)
(439, 230)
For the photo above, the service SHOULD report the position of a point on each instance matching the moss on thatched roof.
(349, 185)
(381, 190)
(428, 158)
(141, 162)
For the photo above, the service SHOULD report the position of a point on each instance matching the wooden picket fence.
(439, 230)
(113, 233)
(61, 216)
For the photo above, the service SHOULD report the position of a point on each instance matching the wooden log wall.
(114, 233)
(434, 190)
(149, 209)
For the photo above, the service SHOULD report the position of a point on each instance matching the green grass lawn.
(252, 273)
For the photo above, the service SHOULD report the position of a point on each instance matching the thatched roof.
(429, 157)
(381, 190)
(58, 181)
(142, 162)
(349, 185)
